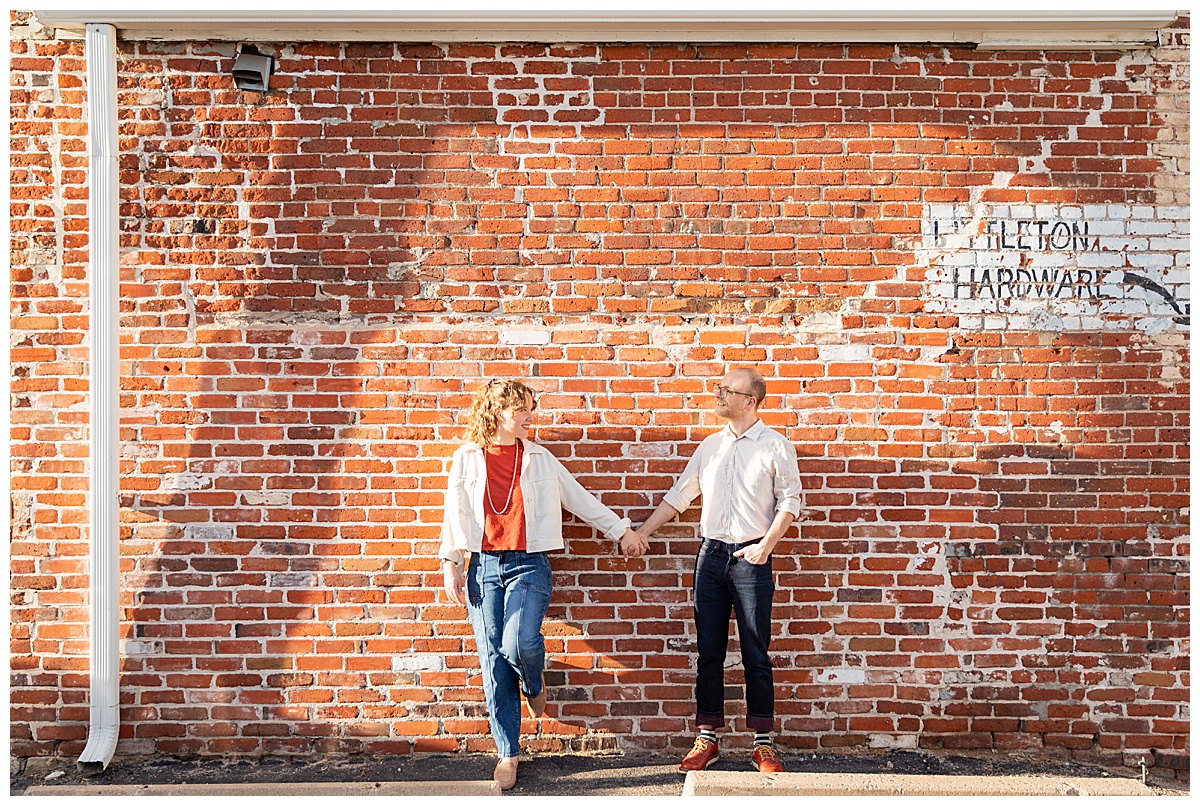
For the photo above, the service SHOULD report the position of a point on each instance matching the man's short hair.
(758, 387)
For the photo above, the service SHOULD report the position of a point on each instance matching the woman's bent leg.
(485, 605)
(527, 596)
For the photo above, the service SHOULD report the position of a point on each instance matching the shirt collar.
(753, 432)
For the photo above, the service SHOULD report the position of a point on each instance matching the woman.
(503, 512)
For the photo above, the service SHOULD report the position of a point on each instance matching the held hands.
(755, 554)
(455, 585)
(634, 544)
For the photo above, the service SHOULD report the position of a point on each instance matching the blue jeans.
(723, 583)
(507, 596)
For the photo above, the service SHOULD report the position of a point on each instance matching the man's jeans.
(724, 582)
(507, 596)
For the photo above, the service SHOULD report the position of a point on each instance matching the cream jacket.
(546, 488)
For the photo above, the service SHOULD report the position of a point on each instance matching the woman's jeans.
(507, 596)
(724, 582)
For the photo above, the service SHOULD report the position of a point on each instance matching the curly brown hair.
(487, 405)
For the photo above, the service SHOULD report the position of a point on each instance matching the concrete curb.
(354, 788)
(808, 783)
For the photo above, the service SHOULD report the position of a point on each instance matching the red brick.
(308, 307)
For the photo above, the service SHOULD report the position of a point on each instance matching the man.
(749, 480)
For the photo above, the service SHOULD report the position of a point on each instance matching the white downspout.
(103, 382)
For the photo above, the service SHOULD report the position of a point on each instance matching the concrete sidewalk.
(810, 784)
(696, 784)
(442, 789)
(455, 775)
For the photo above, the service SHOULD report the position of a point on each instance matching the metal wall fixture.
(252, 70)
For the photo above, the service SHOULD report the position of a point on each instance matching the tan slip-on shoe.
(537, 705)
(506, 773)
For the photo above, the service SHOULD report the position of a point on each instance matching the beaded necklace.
(512, 486)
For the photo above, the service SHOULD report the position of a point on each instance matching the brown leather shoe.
(765, 759)
(537, 705)
(506, 773)
(703, 753)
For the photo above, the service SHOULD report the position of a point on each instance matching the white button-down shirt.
(744, 481)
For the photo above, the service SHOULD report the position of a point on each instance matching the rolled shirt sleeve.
(787, 479)
(687, 486)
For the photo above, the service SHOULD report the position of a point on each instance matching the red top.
(503, 529)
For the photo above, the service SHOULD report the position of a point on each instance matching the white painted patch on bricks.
(292, 580)
(132, 648)
(888, 741)
(182, 482)
(531, 95)
(416, 663)
(266, 498)
(208, 531)
(525, 337)
(843, 353)
(1047, 267)
(842, 676)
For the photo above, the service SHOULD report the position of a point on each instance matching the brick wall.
(963, 273)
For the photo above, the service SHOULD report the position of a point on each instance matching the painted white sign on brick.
(1046, 267)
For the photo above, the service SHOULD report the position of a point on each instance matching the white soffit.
(1023, 30)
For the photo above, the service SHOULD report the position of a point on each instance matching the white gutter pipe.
(103, 382)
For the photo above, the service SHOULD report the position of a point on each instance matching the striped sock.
(762, 738)
(709, 733)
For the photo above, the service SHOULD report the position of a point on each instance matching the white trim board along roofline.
(992, 30)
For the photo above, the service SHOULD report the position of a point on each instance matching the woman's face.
(513, 423)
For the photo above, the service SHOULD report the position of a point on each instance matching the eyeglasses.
(722, 392)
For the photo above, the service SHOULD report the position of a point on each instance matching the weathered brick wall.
(964, 274)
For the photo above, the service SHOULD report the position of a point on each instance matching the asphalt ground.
(542, 775)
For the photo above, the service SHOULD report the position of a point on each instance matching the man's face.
(733, 396)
